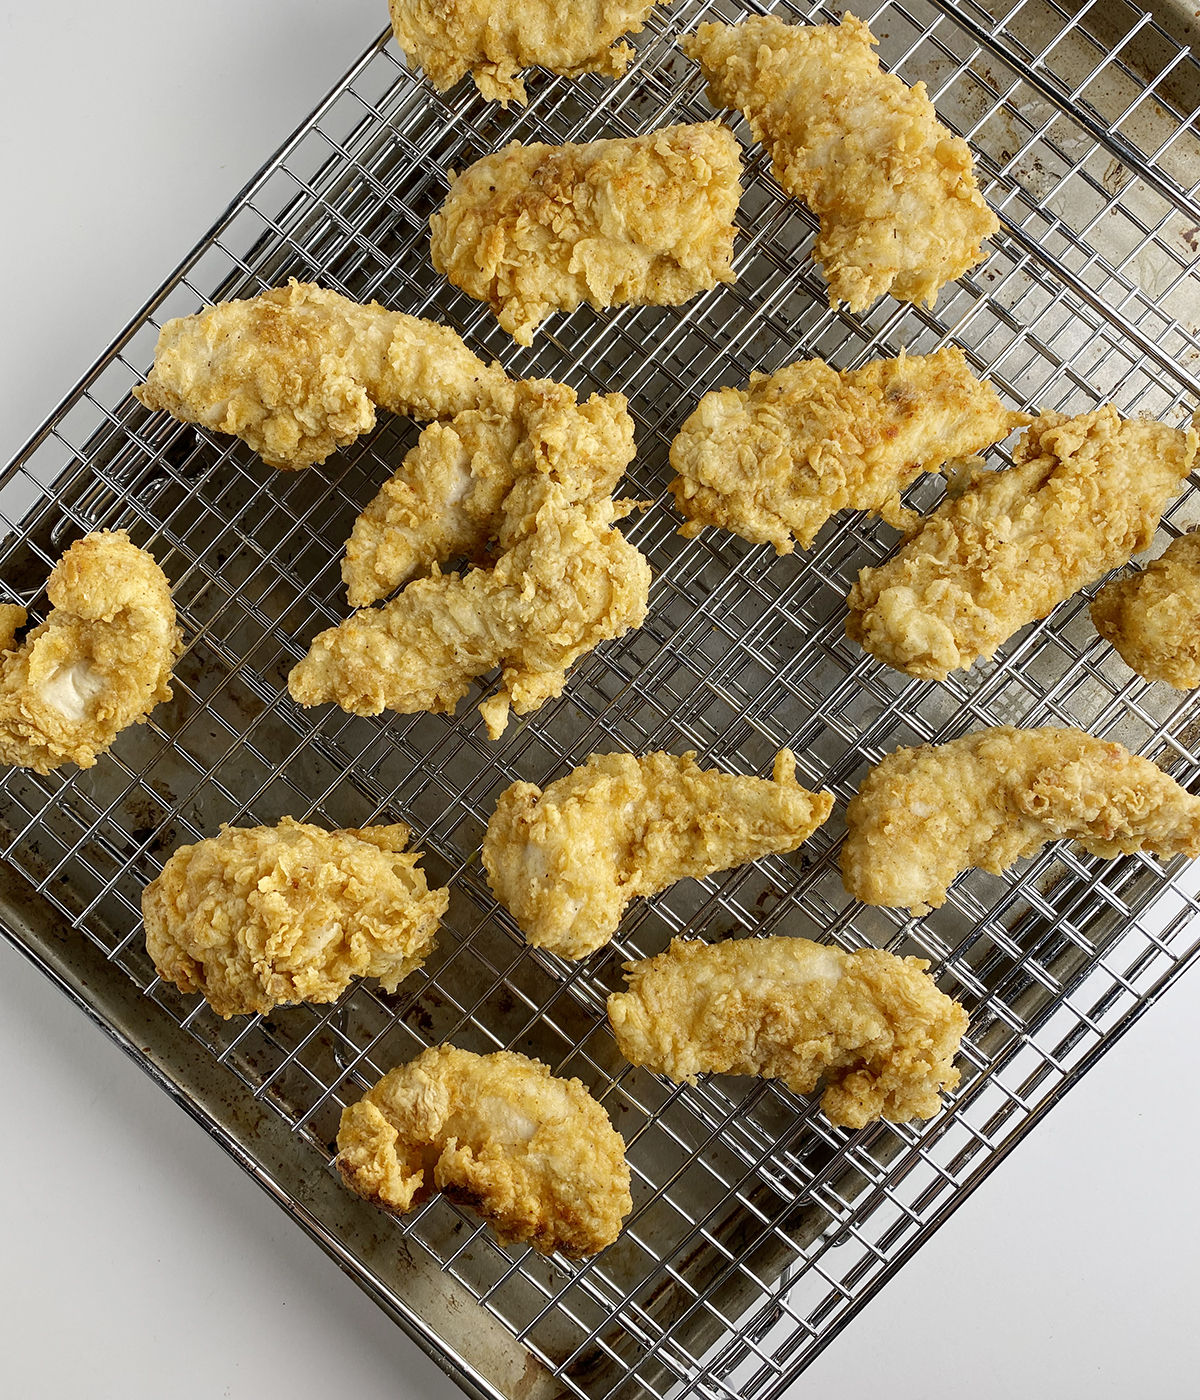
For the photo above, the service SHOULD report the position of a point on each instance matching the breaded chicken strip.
(534, 1154)
(873, 1026)
(494, 39)
(923, 815)
(779, 459)
(446, 498)
(1153, 618)
(100, 662)
(266, 916)
(1085, 494)
(535, 229)
(899, 206)
(567, 862)
(299, 371)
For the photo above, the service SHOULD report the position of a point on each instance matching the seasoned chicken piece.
(100, 662)
(567, 862)
(446, 499)
(981, 802)
(535, 1155)
(494, 39)
(1153, 618)
(899, 206)
(535, 229)
(780, 458)
(299, 371)
(1085, 494)
(873, 1026)
(265, 916)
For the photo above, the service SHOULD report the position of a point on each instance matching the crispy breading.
(780, 458)
(874, 1026)
(567, 862)
(266, 916)
(535, 229)
(981, 802)
(534, 1154)
(1153, 618)
(100, 662)
(1085, 494)
(299, 371)
(896, 195)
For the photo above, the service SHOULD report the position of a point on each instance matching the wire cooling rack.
(757, 1230)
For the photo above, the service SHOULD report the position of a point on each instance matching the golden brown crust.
(1153, 618)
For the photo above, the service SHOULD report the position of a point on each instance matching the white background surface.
(137, 1260)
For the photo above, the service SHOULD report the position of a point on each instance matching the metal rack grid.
(757, 1230)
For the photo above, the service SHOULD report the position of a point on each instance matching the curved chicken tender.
(1153, 618)
(782, 457)
(568, 861)
(899, 206)
(299, 371)
(874, 1026)
(1085, 494)
(535, 1155)
(266, 916)
(923, 815)
(100, 662)
(535, 229)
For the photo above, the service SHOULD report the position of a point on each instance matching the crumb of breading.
(874, 1026)
(780, 458)
(924, 814)
(267, 916)
(534, 1154)
(299, 371)
(896, 195)
(100, 662)
(648, 221)
(566, 862)
(1153, 618)
(1085, 494)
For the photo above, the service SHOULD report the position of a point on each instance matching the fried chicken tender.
(648, 221)
(873, 1025)
(779, 459)
(924, 814)
(534, 1154)
(1153, 618)
(446, 499)
(266, 916)
(1085, 494)
(100, 662)
(299, 371)
(899, 206)
(567, 862)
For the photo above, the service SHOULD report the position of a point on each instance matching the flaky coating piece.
(648, 221)
(896, 195)
(100, 662)
(1085, 495)
(299, 371)
(532, 1153)
(266, 916)
(494, 39)
(567, 862)
(777, 460)
(981, 802)
(874, 1026)
(1153, 618)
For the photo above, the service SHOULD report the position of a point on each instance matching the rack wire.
(758, 1229)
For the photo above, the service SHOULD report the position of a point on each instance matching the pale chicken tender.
(874, 1026)
(895, 193)
(268, 916)
(1153, 618)
(924, 814)
(532, 1153)
(648, 221)
(779, 459)
(566, 862)
(100, 662)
